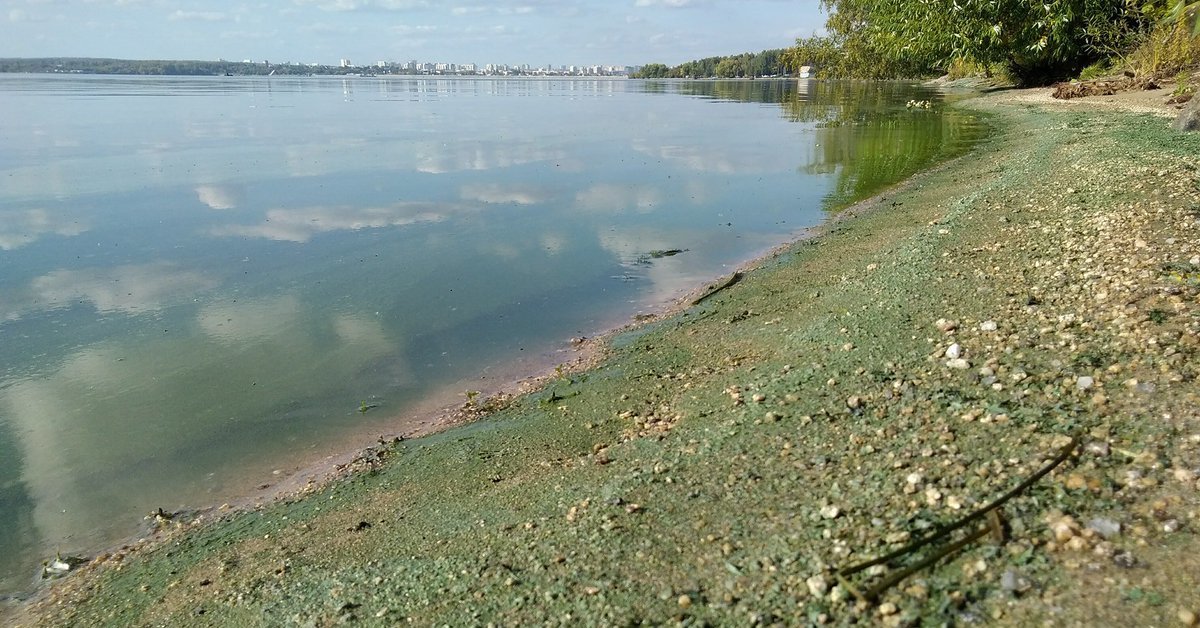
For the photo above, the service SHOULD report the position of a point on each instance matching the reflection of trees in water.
(863, 131)
(17, 531)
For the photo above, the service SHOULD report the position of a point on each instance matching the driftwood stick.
(729, 281)
(982, 512)
(873, 593)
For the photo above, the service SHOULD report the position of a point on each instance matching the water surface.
(203, 279)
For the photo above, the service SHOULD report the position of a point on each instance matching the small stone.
(987, 326)
(1184, 475)
(1106, 528)
(887, 608)
(1187, 617)
(854, 402)
(1124, 560)
(830, 512)
(958, 364)
(759, 398)
(1013, 582)
(1170, 526)
(1064, 529)
(946, 326)
(817, 585)
(1085, 382)
(913, 478)
(684, 601)
(1098, 448)
(954, 351)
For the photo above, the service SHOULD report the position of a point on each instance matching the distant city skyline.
(512, 32)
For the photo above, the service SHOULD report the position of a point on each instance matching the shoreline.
(654, 426)
(438, 412)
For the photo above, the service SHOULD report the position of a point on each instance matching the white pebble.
(987, 326)
(954, 351)
(1085, 382)
(959, 364)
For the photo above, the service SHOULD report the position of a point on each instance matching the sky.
(537, 32)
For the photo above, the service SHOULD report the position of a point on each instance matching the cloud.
(197, 16)
(132, 289)
(300, 225)
(439, 158)
(20, 228)
(499, 193)
(366, 5)
(671, 4)
(249, 321)
(612, 197)
(740, 159)
(217, 197)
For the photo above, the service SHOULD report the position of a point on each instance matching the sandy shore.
(855, 389)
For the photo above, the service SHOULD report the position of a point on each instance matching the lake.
(205, 280)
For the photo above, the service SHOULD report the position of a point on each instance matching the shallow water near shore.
(206, 279)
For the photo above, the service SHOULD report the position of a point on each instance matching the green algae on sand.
(856, 390)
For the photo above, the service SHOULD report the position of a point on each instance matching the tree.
(1037, 41)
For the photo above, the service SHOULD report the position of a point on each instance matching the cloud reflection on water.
(130, 289)
(301, 224)
(22, 228)
(612, 197)
(218, 197)
(505, 193)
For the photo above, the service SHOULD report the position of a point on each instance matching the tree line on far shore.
(79, 65)
(745, 65)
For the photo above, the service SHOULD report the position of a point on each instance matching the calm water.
(201, 279)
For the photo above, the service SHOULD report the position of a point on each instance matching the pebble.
(958, 364)
(1013, 582)
(830, 512)
(1064, 529)
(946, 326)
(954, 351)
(1187, 617)
(1106, 528)
(1085, 382)
(987, 326)
(1098, 448)
(817, 585)
(684, 601)
(1124, 560)
(854, 402)
(887, 608)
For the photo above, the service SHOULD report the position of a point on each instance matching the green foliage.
(1096, 70)
(765, 63)
(1034, 41)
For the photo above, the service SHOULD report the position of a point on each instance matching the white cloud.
(19, 228)
(249, 321)
(217, 197)
(197, 16)
(300, 225)
(366, 5)
(132, 289)
(498, 193)
(612, 197)
(673, 4)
